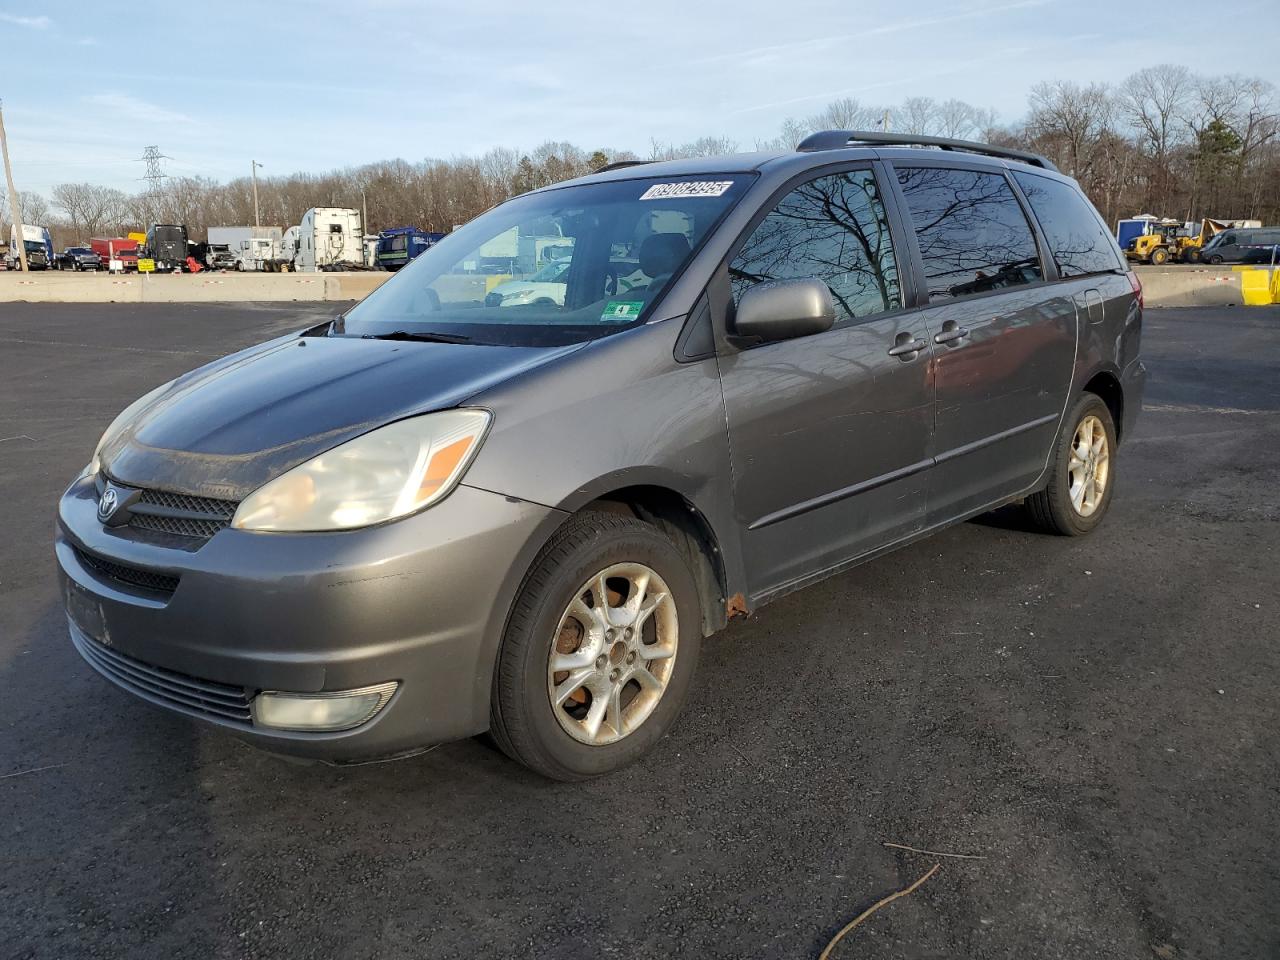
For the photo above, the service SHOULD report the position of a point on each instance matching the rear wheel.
(1215, 260)
(1159, 256)
(600, 649)
(1080, 472)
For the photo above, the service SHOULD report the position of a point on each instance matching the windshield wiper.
(423, 336)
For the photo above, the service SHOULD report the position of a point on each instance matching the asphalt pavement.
(1095, 719)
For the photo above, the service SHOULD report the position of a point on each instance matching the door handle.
(951, 331)
(905, 349)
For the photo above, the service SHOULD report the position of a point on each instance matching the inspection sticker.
(687, 188)
(621, 311)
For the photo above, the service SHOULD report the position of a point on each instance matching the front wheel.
(1080, 472)
(600, 649)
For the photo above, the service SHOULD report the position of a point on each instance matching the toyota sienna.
(436, 516)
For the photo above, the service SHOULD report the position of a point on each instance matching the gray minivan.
(436, 516)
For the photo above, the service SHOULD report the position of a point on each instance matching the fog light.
(340, 710)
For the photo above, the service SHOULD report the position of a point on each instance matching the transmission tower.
(154, 175)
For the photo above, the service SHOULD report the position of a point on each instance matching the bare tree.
(790, 134)
(89, 208)
(846, 114)
(1070, 118)
(702, 147)
(961, 120)
(1153, 100)
(916, 115)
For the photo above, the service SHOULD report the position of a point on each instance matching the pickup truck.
(77, 258)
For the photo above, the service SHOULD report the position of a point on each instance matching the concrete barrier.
(54, 286)
(351, 286)
(45, 286)
(238, 287)
(1190, 287)
(1175, 286)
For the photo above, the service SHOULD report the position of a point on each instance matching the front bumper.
(422, 601)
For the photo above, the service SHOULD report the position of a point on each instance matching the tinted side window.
(1077, 240)
(833, 228)
(972, 232)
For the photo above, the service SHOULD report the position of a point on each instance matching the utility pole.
(14, 206)
(364, 215)
(885, 125)
(257, 220)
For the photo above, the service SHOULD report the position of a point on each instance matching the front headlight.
(124, 418)
(391, 472)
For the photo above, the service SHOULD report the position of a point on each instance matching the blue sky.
(318, 85)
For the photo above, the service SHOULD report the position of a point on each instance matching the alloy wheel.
(1089, 467)
(613, 654)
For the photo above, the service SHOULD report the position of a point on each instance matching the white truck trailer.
(330, 238)
(252, 247)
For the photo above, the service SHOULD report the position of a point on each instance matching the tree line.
(1165, 141)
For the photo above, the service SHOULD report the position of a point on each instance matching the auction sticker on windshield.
(688, 188)
(621, 311)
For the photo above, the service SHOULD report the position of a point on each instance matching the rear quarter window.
(1077, 239)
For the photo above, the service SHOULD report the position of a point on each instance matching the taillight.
(1136, 284)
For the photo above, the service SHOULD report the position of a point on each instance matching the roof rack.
(620, 165)
(836, 139)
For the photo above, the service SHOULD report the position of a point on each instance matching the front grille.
(178, 514)
(191, 695)
(181, 515)
(132, 576)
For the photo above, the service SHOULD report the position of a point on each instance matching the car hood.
(227, 428)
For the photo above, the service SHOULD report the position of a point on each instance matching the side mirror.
(783, 309)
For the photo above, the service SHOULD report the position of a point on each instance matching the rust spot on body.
(736, 606)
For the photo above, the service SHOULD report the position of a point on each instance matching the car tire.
(1064, 506)
(553, 739)
(1215, 260)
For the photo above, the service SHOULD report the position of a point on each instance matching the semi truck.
(330, 238)
(166, 245)
(37, 243)
(251, 247)
(285, 260)
(399, 245)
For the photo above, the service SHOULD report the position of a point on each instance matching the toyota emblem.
(108, 504)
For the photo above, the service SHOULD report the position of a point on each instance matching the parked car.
(433, 516)
(1243, 245)
(78, 258)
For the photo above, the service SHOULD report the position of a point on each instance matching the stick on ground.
(826, 953)
(933, 853)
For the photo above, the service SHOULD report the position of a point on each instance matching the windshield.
(603, 252)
